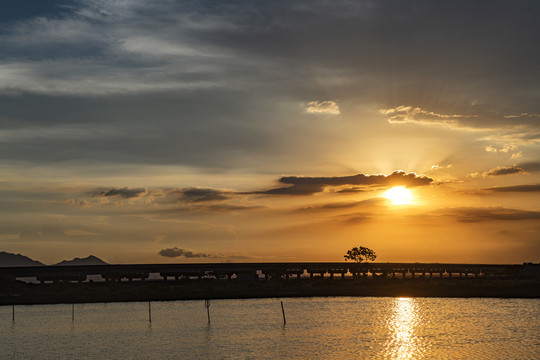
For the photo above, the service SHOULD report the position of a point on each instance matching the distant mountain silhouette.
(9, 259)
(90, 260)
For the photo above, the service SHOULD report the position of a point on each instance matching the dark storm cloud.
(472, 214)
(515, 188)
(200, 82)
(126, 193)
(177, 252)
(312, 185)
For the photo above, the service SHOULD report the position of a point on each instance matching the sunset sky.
(210, 131)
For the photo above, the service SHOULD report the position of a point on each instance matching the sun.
(399, 195)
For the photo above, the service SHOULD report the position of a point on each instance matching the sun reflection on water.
(402, 324)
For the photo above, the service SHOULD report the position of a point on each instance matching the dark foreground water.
(317, 328)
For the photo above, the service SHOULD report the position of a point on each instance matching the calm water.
(317, 328)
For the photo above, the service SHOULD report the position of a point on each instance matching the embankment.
(14, 292)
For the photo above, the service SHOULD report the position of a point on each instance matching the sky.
(249, 131)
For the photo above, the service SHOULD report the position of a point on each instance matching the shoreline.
(18, 293)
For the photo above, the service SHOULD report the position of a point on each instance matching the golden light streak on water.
(404, 342)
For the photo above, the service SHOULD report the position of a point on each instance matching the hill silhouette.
(9, 259)
(90, 260)
(14, 260)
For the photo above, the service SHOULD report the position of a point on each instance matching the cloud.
(47, 232)
(227, 207)
(504, 170)
(504, 149)
(473, 214)
(531, 166)
(75, 202)
(437, 167)
(200, 194)
(522, 168)
(352, 190)
(88, 51)
(523, 115)
(177, 252)
(372, 202)
(523, 134)
(515, 188)
(190, 195)
(409, 114)
(217, 208)
(296, 189)
(312, 185)
(510, 130)
(217, 85)
(28, 234)
(322, 107)
(126, 192)
(517, 155)
(355, 218)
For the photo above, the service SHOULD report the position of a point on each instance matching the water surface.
(316, 328)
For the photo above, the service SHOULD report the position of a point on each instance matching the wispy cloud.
(479, 214)
(515, 188)
(510, 131)
(322, 107)
(189, 195)
(200, 194)
(369, 203)
(59, 133)
(531, 166)
(523, 115)
(126, 192)
(409, 114)
(100, 48)
(438, 167)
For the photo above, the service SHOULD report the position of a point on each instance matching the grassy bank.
(22, 293)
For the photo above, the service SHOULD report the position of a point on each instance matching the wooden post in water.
(72, 312)
(283, 312)
(207, 306)
(149, 313)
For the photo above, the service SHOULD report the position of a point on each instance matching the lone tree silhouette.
(359, 254)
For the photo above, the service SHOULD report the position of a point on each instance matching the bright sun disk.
(399, 195)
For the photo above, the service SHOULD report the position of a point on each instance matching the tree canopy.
(359, 254)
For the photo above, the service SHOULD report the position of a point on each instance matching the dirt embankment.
(21, 293)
